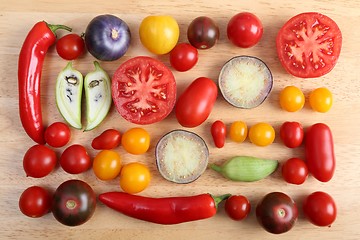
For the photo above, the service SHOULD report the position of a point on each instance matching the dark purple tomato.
(277, 212)
(74, 203)
(107, 37)
(203, 33)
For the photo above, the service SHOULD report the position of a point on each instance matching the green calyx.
(219, 199)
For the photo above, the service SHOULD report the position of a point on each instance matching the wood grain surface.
(17, 18)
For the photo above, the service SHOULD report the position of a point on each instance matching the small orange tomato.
(238, 131)
(136, 141)
(262, 134)
(107, 165)
(134, 177)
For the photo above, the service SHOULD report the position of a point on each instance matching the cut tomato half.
(309, 44)
(143, 90)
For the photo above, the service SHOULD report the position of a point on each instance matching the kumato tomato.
(203, 33)
(136, 141)
(35, 202)
(262, 134)
(292, 99)
(134, 177)
(321, 100)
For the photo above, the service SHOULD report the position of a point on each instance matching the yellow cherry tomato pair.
(260, 134)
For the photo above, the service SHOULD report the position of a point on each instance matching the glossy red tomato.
(35, 202)
(57, 134)
(75, 159)
(320, 208)
(183, 57)
(196, 102)
(292, 134)
(309, 44)
(143, 90)
(70, 46)
(39, 161)
(244, 30)
(295, 171)
(109, 139)
(218, 132)
(237, 207)
(203, 33)
(319, 152)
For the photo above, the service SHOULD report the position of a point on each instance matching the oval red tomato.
(35, 202)
(196, 102)
(57, 134)
(39, 161)
(237, 207)
(292, 134)
(143, 90)
(75, 159)
(294, 171)
(309, 44)
(109, 139)
(183, 57)
(70, 46)
(218, 132)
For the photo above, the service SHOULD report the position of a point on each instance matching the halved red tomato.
(143, 90)
(309, 44)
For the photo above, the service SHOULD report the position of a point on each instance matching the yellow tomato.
(159, 34)
(262, 134)
(238, 131)
(136, 141)
(321, 100)
(134, 177)
(107, 165)
(292, 99)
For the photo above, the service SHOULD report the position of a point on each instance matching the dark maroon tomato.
(183, 57)
(292, 134)
(75, 159)
(107, 140)
(203, 33)
(237, 207)
(70, 46)
(35, 202)
(39, 161)
(218, 132)
(294, 171)
(57, 134)
(277, 212)
(74, 203)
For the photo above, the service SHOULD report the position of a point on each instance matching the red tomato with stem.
(237, 207)
(320, 209)
(143, 90)
(196, 102)
(309, 44)
(109, 139)
(57, 134)
(35, 202)
(39, 161)
(70, 46)
(292, 134)
(244, 30)
(218, 132)
(295, 171)
(75, 159)
(183, 57)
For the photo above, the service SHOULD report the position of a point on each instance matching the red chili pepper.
(31, 59)
(170, 210)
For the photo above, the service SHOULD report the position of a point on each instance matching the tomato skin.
(57, 134)
(70, 46)
(203, 33)
(35, 202)
(109, 139)
(196, 102)
(39, 161)
(238, 131)
(244, 30)
(292, 134)
(319, 152)
(320, 209)
(321, 100)
(218, 132)
(294, 171)
(292, 99)
(183, 57)
(75, 159)
(107, 165)
(262, 134)
(237, 207)
(134, 177)
(136, 141)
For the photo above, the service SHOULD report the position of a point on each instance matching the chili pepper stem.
(55, 27)
(219, 199)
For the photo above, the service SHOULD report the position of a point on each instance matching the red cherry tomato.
(309, 44)
(244, 30)
(183, 57)
(57, 134)
(218, 132)
(109, 139)
(39, 161)
(294, 171)
(35, 202)
(237, 207)
(291, 134)
(203, 33)
(319, 152)
(196, 102)
(75, 159)
(70, 46)
(320, 208)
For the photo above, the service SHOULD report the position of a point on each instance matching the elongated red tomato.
(218, 132)
(319, 152)
(196, 102)
(109, 139)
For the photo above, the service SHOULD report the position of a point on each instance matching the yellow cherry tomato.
(136, 141)
(238, 131)
(292, 99)
(159, 34)
(262, 134)
(134, 177)
(321, 100)
(107, 165)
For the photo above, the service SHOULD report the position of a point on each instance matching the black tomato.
(203, 33)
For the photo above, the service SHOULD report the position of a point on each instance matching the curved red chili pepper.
(170, 210)
(31, 59)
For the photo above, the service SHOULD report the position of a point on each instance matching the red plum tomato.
(35, 202)
(218, 133)
(107, 140)
(39, 161)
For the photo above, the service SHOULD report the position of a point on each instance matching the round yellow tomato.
(292, 99)
(136, 141)
(107, 165)
(159, 34)
(238, 131)
(262, 134)
(321, 100)
(134, 177)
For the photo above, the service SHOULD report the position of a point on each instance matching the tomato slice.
(309, 44)
(143, 90)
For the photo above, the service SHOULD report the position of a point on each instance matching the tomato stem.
(71, 204)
